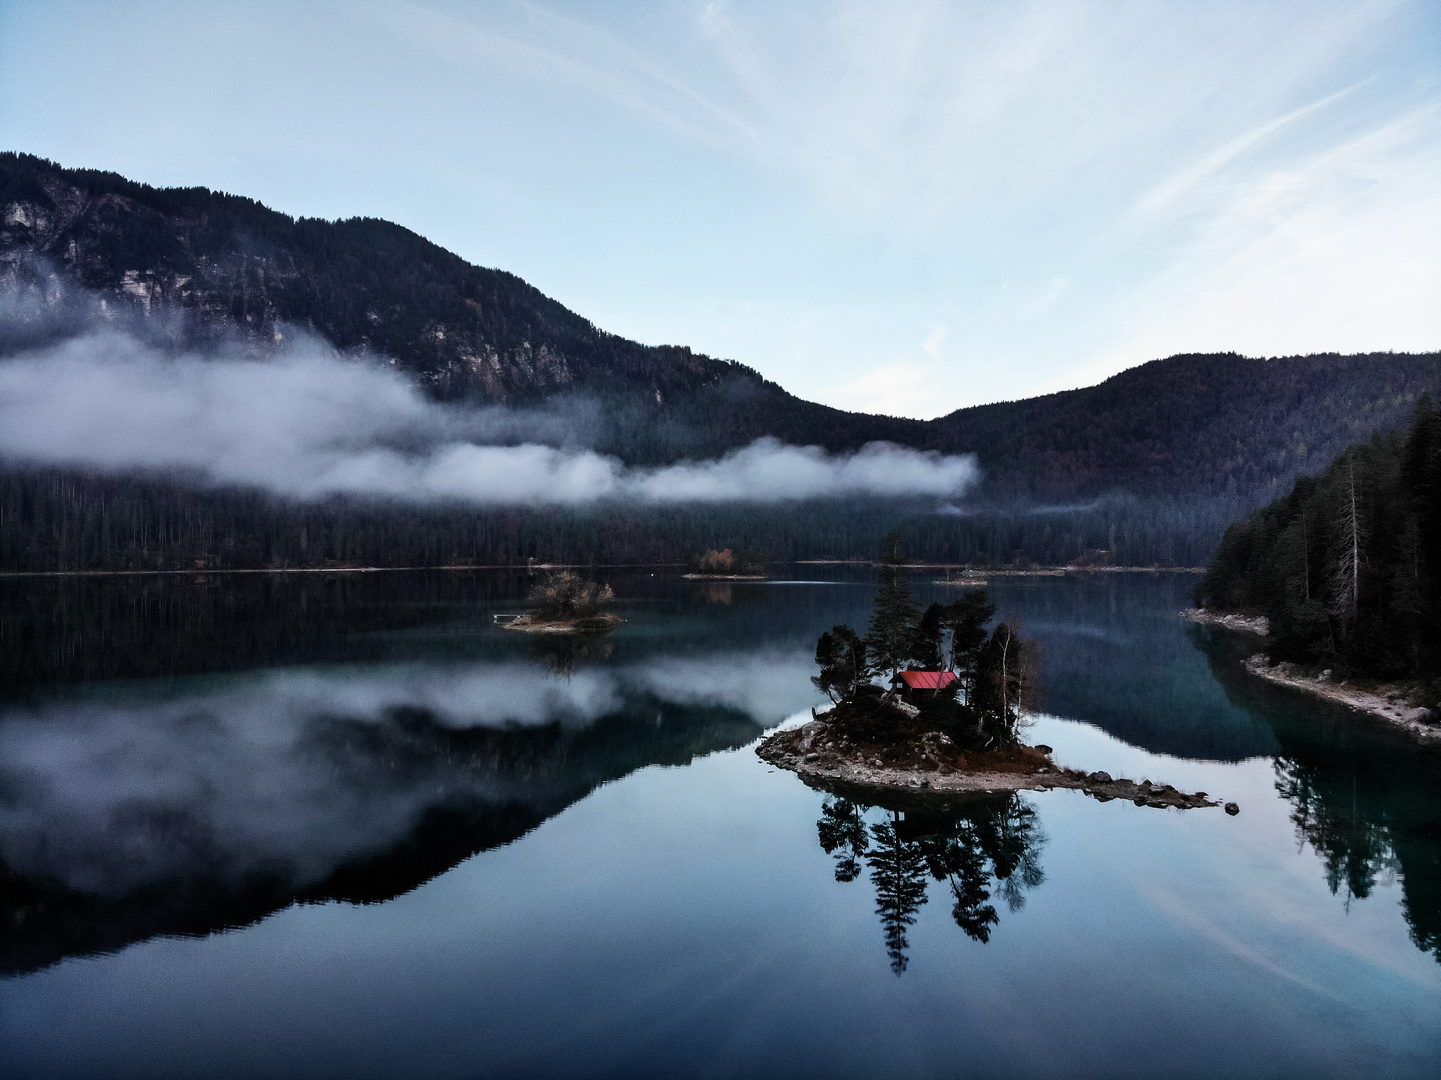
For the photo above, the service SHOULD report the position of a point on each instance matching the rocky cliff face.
(211, 259)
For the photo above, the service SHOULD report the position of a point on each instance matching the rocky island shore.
(1230, 620)
(929, 705)
(932, 765)
(590, 624)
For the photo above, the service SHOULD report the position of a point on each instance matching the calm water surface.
(342, 826)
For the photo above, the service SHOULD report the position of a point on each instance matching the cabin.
(911, 684)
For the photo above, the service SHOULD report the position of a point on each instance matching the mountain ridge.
(462, 332)
(1212, 425)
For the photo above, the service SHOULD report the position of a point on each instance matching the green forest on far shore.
(67, 521)
(1347, 567)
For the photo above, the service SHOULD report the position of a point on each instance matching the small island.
(728, 565)
(931, 704)
(565, 603)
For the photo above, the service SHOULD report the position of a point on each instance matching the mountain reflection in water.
(985, 845)
(192, 812)
(186, 754)
(1365, 798)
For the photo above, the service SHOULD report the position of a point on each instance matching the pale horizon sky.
(905, 208)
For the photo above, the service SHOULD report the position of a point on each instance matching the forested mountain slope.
(1212, 424)
(1347, 566)
(1207, 424)
(464, 332)
(1145, 467)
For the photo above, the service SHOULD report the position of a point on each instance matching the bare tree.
(1347, 571)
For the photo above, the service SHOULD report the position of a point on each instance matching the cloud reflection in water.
(289, 775)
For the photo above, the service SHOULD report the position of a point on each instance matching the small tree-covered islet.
(931, 702)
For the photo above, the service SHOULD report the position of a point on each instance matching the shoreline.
(1044, 571)
(1246, 624)
(1384, 702)
(200, 572)
(590, 624)
(1412, 719)
(808, 752)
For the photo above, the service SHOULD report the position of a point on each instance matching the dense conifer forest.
(1347, 567)
(51, 521)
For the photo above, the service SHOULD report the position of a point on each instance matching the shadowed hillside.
(1147, 467)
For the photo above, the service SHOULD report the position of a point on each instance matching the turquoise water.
(348, 828)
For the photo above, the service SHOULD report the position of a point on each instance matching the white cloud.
(308, 425)
(934, 340)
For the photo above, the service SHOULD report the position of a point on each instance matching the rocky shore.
(591, 624)
(1248, 624)
(934, 767)
(1383, 702)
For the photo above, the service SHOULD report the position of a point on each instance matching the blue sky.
(895, 207)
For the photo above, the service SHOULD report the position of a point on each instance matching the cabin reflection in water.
(983, 851)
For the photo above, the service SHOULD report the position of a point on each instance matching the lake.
(341, 825)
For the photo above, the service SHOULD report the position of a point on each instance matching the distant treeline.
(1348, 566)
(52, 521)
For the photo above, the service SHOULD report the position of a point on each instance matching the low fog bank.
(306, 423)
(298, 772)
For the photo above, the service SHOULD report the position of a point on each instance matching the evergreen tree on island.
(995, 673)
(893, 639)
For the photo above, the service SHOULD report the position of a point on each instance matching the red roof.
(928, 680)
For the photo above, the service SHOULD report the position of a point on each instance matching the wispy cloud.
(1165, 194)
(800, 186)
(563, 52)
(1320, 255)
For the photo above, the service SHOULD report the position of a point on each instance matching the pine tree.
(930, 638)
(841, 655)
(1005, 681)
(965, 621)
(893, 639)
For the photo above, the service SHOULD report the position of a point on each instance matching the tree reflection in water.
(1372, 826)
(983, 848)
(1364, 798)
(558, 653)
(1355, 851)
